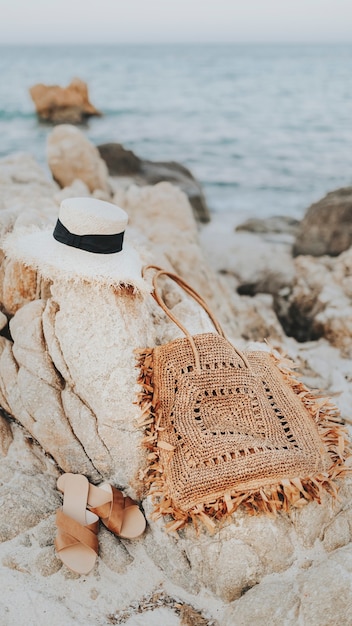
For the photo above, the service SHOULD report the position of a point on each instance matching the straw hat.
(88, 243)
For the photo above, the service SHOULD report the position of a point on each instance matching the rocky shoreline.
(293, 569)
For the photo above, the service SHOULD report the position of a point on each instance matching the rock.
(155, 172)
(47, 562)
(113, 553)
(275, 224)
(52, 345)
(6, 436)
(234, 575)
(274, 603)
(189, 617)
(323, 367)
(24, 189)
(311, 523)
(315, 598)
(256, 319)
(322, 602)
(258, 264)
(120, 162)
(63, 105)
(338, 533)
(170, 554)
(71, 156)
(18, 285)
(160, 615)
(67, 375)
(27, 486)
(263, 547)
(318, 303)
(77, 189)
(163, 216)
(20, 170)
(124, 163)
(26, 200)
(327, 226)
(3, 321)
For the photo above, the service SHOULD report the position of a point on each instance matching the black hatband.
(99, 244)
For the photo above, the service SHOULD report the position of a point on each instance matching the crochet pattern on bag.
(228, 435)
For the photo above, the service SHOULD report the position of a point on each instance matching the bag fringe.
(294, 492)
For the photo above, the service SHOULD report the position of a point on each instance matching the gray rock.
(274, 603)
(323, 603)
(327, 225)
(318, 301)
(112, 552)
(274, 224)
(27, 486)
(122, 163)
(337, 533)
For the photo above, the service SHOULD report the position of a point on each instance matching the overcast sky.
(119, 21)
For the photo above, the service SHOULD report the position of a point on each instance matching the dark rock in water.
(275, 224)
(63, 105)
(122, 162)
(327, 225)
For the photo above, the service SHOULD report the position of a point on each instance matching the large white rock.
(68, 377)
(23, 182)
(70, 156)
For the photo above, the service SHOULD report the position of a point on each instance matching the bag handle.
(195, 295)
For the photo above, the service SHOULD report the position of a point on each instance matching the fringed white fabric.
(38, 249)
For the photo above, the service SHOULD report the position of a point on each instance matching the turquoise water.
(266, 128)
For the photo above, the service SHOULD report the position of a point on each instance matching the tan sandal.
(119, 513)
(76, 542)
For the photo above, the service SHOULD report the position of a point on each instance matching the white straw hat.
(88, 243)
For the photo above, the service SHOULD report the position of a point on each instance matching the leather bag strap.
(195, 295)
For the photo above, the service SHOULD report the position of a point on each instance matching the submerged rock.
(327, 226)
(275, 224)
(63, 105)
(124, 163)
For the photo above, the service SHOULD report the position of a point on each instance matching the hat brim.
(57, 261)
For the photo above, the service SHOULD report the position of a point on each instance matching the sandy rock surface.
(67, 376)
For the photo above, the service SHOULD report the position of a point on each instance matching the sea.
(267, 129)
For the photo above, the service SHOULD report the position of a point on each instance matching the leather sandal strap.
(112, 512)
(129, 502)
(72, 532)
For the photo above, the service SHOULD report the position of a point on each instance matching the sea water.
(267, 129)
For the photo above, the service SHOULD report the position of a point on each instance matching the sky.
(161, 21)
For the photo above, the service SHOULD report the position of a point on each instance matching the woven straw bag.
(225, 428)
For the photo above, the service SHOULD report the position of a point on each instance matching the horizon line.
(176, 43)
